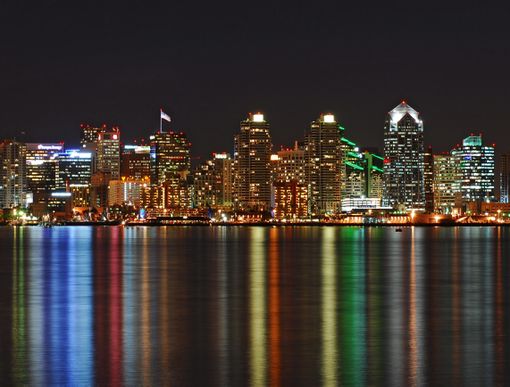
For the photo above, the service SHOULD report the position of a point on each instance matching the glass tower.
(404, 159)
(476, 162)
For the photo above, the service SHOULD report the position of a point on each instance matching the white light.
(329, 118)
(220, 156)
(49, 147)
(61, 194)
(258, 118)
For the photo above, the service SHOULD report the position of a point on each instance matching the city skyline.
(228, 146)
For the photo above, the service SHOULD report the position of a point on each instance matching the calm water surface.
(233, 306)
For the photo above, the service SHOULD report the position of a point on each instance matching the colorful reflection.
(255, 305)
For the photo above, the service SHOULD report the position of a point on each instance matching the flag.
(165, 116)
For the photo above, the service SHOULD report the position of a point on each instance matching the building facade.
(504, 178)
(108, 152)
(170, 156)
(324, 165)
(252, 164)
(404, 184)
(41, 169)
(446, 183)
(12, 174)
(476, 163)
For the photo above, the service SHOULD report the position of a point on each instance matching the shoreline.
(258, 224)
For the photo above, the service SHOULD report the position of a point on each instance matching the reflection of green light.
(258, 310)
(19, 338)
(329, 309)
(352, 318)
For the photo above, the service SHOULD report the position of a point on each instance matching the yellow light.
(258, 117)
(329, 118)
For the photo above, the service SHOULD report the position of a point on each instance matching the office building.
(170, 156)
(446, 182)
(252, 164)
(108, 152)
(324, 165)
(428, 179)
(135, 162)
(41, 169)
(213, 182)
(404, 184)
(476, 162)
(12, 174)
(504, 178)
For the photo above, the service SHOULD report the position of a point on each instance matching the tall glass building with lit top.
(476, 167)
(252, 164)
(324, 165)
(404, 185)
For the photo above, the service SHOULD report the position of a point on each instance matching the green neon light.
(353, 154)
(347, 141)
(377, 169)
(377, 156)
(352, 165)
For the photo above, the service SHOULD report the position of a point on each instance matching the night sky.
(209, 64)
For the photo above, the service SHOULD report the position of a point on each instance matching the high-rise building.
(324, 165)
(504, 178)
(373, 164)
(213, 182)
(89, 134)
(73, 175)
(291, 200)
(476, 162)
(108, 152)
(170, 155)
(291, 165)
(12, 174)
(404, 183)
(446, 183)
(428, 179)
(252, 165)
(41, 169)
(125, 192)
(135, 162)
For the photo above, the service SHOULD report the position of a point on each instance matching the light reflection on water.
(254, 305)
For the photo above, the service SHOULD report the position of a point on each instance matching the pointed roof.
(401, 110)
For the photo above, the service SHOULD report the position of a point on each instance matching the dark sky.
(208, 64)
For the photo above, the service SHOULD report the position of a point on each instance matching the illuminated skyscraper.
(428, 179)
(476, 162)
(252, 165)
(135, 162)
(291, 165)
(74, 169)
(170, 155)
(41, 169)
(324, 165)
(89, 134)
(446, 183)
(504, 178)
(213, 182)
(108, 152)
(404, 183)
(12, 174)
